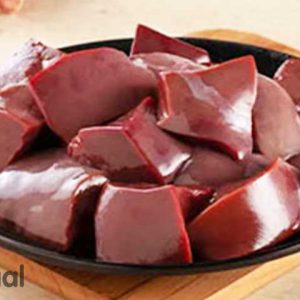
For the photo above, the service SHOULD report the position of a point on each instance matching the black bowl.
(267, 61)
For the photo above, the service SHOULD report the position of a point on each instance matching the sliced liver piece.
(49, 199)
(162, 62)
(214, 105)
(141, 226)
(20, 122)
(193, 199)
(262, 211)
(26, 62)
(208, 167)
(21, 117)
(148, 40)
(15, 136)
(19, 101)
(133, 149)
(276, 121)
(93, 86)
(288, 76)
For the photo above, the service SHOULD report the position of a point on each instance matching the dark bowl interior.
(267, 61)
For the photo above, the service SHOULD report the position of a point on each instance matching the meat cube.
(213, 105)
(208, 167)
(148, 40)
(15, 137)
(162, 62)
(93, 86)
(259, 213)
(26, 62)
(19, 101)
(276, 121)
(288, 76)
(49, 199)
(21, 118)
(132, 149)
(211, 168)
(141, 226)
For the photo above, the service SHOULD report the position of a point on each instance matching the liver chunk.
(276, 121)
(148, 40)
(141, 226)
(49, 199)
(93, 86)
(213, 105)
(259, 213)
(288, 76)
(131, 149)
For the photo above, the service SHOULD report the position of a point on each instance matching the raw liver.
(213, 105)
(161, 62)
(26, 62)
(15, 136)
(93, 86)
(288, 76)
(276, 121)
(208, 167)
(19, 101)
(264, 210)
(49, 199)
(148, 40)
(141, 226)
(193, 199)
(132, 149)
(21, 118)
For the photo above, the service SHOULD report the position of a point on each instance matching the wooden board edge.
(244, 37)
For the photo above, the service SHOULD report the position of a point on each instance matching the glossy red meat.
(15, 97)
(208, 167)
(131, 150)
(19, 101)
(288, 76)
(161, 62)
(93, 86)
(262, 211)
(192, 199)
(141, 226)
(21, 119)
(148, 40)
(15, 136)
(49, 198)
(213, 105)
(276, 122)
(26, 62)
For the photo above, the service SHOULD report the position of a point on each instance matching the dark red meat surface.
(148, 40)
(159, 62)
(92, 86)
(262, 211)
(32, 57)
(276, 121)
(214, 105)
(141, 226)
(288, 76)
(49, 198)
(133, 149)
(21, 118)
(15, 136)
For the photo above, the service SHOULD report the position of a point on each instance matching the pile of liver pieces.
(163, 156)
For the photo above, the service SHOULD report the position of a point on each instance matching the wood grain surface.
(233, 284)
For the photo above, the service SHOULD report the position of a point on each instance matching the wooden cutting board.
(234, 284)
